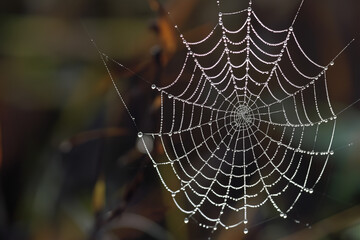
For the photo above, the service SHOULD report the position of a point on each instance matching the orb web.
(240, 124)
(235, 142)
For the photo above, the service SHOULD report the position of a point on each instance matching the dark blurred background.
(70, 166)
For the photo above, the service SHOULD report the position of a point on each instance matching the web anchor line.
(233, 140)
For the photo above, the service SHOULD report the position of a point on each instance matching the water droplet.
(153, 86)
(245, 221)
(311, 191)
(140, 134)
(291, 29)
(220, 14)
(173, 194)
(246, 231)
(332, 63)
(249, 9)
(186, 220)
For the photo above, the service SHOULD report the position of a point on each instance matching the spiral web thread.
(243, 131)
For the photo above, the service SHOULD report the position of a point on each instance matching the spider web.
(240, 125)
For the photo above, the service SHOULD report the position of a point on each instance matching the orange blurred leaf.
(167, 34)
(156, 103)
